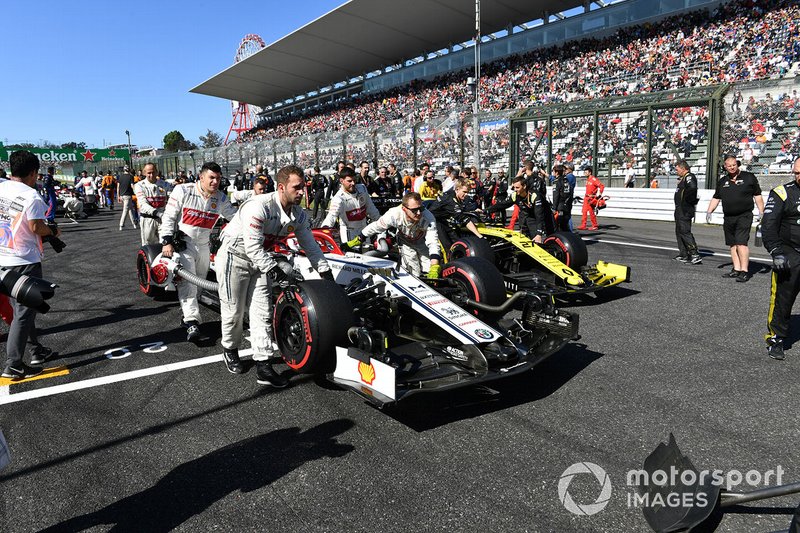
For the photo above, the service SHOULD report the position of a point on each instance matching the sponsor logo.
(456, 354)
(483, 333)
(356, 214)
(195, 217)
(213, 205)
(367, 372)
(290, 228)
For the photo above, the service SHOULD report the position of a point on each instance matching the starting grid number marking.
(122, 352)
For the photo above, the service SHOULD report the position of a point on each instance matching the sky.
(86, 71)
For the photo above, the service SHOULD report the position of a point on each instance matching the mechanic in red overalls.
(594, 190)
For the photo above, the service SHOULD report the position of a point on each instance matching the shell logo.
(367, 372)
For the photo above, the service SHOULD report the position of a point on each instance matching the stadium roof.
(363, 36)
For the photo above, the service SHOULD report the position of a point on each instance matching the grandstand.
(577, 98)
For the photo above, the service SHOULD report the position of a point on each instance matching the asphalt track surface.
(194, 448)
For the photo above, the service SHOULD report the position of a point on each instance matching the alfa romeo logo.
(483, 333)
(585, 509)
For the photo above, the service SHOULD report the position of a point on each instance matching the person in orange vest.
(594, 190)
(109, 187)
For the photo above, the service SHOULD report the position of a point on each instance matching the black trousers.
(319, 197)
(563, 221)
(683, 231)
(783, 294)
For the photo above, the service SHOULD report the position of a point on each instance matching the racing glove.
(434, 272)
(355, 242)
(328, 275)
(780, 263)
(278, 275)
(708, 218)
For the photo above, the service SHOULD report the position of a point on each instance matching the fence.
(639, 135)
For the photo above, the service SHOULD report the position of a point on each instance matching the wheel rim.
(556, 252)
(292, 331)
(457, 252)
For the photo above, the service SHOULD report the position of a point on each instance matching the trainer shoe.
(695, 259)
(232, 361)
(732, 274)
(594, 228)
(775, 348)
(681, 258)
(266, 375)
(743, 277)
(193, 333)
(21, 371)
(40, 354)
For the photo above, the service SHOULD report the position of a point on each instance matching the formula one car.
(559, 264)
(385, 334)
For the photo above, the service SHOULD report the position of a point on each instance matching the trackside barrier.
(650, 204)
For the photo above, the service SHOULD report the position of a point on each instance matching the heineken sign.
(57, 155)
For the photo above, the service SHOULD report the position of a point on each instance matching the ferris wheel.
(244, 114)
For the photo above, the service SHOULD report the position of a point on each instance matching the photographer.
(22, 216)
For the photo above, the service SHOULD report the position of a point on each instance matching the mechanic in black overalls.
(450, 213)
(780, 229)
(535, 221)
(685, 204)
(318, 184)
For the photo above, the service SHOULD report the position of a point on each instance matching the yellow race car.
(560, 263)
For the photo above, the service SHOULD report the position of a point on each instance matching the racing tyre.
(144, 259)
(310, 319)
(472, 246)
(479, 279)
(568, 248)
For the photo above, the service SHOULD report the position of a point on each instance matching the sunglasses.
(416, 210)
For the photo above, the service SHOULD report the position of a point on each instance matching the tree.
(174, 141)
(211, 139)
(20, 146)
(72, 145)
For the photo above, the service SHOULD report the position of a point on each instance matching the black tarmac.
(678, 350)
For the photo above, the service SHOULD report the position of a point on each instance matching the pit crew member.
(449, 212)
(685, 202)
(533, 216)
(151, 193)
(193, 209)
(780, 229)
(594, 190)
(737, 191)
(248, 269)
(416, 235)
(352, 205)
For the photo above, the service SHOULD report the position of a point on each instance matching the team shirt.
(737, 192)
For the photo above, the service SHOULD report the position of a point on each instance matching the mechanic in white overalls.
(352, 205)
(416, 235)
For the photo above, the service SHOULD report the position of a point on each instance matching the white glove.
(708, 218)
(757, 218)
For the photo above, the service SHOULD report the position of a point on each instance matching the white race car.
(386, 334)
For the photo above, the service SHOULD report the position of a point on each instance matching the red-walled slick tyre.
(310, 319)
(568, 248)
